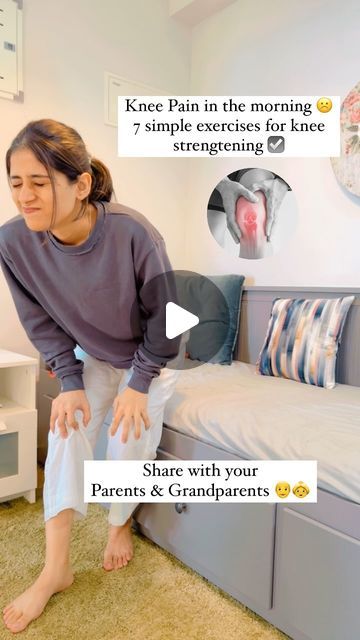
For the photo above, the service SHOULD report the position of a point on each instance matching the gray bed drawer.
(238, 557)
(337, 513)
(317, 578)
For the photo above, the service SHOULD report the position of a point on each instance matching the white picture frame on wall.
(115, 86)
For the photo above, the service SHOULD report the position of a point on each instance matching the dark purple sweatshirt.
(93, 294)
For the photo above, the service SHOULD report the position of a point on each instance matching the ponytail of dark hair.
(102, 186)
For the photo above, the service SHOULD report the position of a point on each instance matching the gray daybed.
(296, 565)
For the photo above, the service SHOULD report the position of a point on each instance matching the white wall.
(67, 47)
(248, 48)
(280, 48)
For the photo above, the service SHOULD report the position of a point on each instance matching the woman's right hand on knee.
(63, 410)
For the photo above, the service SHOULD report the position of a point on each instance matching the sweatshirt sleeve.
(54, 344)
(156, 287)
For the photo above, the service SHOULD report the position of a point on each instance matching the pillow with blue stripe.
(215, 328)
(302, 339)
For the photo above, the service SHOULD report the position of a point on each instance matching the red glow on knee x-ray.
(251, 218)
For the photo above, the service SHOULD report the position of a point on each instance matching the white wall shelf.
(18, 426)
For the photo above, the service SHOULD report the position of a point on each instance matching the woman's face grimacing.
(33, 195)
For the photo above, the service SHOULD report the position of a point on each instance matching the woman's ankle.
(114, 528)
(57, 566)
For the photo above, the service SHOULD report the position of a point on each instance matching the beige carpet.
(155, 597)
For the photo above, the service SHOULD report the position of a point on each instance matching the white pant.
(64, 468)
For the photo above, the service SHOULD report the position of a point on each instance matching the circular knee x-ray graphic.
(252, 213)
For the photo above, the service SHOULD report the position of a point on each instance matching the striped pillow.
(302, 340)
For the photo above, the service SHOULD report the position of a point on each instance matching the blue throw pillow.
(215, 328)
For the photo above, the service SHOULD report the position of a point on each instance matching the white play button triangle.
(178, 320)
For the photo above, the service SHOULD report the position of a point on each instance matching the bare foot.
(30, 604)
(119, 549)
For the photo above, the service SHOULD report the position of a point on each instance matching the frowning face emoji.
(324, 105)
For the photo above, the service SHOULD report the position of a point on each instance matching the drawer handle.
(180, 507)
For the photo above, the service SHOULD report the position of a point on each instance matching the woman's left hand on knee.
(130, 408)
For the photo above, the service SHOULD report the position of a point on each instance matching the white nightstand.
(18, 426)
